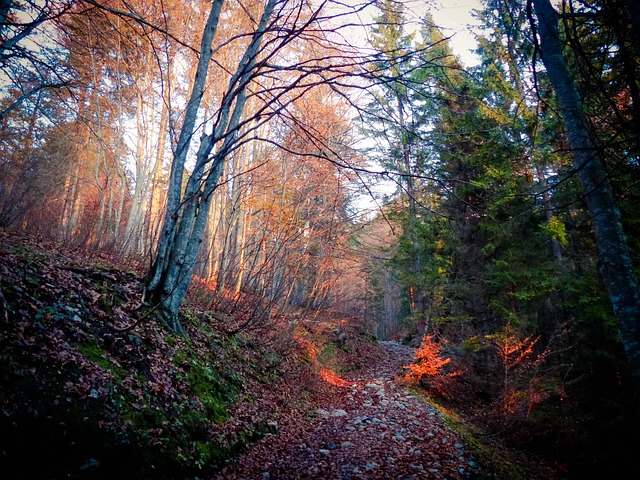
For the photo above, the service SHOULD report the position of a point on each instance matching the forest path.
(369, 428)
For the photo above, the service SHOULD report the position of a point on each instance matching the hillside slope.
(92, 387)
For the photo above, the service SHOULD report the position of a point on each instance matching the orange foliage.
(429, 362)
(308, 347)
(331, 377)
(514, 351)
(522, 386)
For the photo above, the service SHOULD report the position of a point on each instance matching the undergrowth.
(92, 391)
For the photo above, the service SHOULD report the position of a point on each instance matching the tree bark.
(174, 197)
(614, 260)
(188, 210)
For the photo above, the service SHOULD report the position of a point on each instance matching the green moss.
(214, 391)
(97, 355)
(328, 355)
(473, 344)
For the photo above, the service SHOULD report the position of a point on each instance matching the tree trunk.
(174, 192)
(188, 211)
(133, 241)
(155, 197)
(616, 267)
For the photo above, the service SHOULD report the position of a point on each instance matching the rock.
(458, 445)
(324, 451)
(346, 444)
(339, 413)
(331, 445)
(90, 465)
(265, 476)
(322, 412)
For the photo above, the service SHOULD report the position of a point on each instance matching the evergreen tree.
(616, 266)
(394, 120)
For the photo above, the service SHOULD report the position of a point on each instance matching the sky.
(455, 20)
(454, 17)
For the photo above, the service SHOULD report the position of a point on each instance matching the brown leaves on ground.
(87, 378)
(96, 387)
(364, 426)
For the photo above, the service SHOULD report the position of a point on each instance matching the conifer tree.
(615, 263)
(392, 119)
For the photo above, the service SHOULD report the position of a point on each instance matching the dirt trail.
(369, 428)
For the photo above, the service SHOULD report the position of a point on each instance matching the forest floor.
(92, 389)
(366, 426)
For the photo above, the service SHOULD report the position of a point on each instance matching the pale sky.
(452, 16)
(455, 20)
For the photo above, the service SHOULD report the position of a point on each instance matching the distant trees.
(394, 121)
(31, 79)
(28, 52)
(272, 76)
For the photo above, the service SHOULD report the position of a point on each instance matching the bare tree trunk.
(97, 242)
(188, 211)
(556, 248)
(225, 225)
(119, 167)
(174, 192)
(240, 230)
(616, 267)
(71, 211)
(133, 241)
(155, 196)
